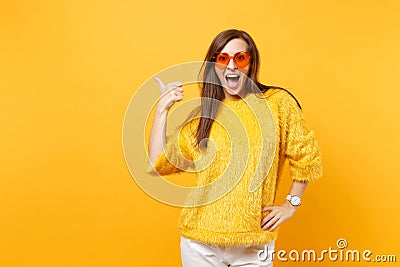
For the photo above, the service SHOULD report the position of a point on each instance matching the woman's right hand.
(170, 94)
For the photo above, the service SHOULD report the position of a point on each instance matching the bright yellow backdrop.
(68, 70)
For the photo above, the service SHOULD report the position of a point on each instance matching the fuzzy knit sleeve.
(302, 148)
(176, 156)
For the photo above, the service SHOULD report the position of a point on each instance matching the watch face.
(295, 201)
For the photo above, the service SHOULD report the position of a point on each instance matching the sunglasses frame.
(218, 64)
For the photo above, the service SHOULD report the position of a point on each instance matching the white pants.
(198, 254)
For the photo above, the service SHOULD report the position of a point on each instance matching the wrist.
(288, 204)
(161, 112)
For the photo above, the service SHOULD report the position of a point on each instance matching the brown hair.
(211, 88)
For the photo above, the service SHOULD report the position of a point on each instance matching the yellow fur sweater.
(245, 156)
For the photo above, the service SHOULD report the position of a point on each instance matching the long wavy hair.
(211, 88)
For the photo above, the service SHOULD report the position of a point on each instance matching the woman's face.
(231, 77)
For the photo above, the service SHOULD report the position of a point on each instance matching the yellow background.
(68, 70)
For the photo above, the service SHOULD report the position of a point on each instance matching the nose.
(231, 64)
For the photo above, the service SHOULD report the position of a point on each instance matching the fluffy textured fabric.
(248, 146)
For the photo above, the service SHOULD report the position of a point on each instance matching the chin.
(233, 92)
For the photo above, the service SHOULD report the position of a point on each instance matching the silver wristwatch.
(294, 200)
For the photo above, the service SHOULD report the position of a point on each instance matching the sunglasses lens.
(242, 59)
(222, 60)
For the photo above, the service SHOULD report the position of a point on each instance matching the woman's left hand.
(277, 215)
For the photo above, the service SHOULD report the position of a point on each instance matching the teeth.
(232, 76)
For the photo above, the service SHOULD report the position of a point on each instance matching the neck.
(235, 97)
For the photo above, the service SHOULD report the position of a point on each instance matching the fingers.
(175, 92)
(174, 88)
(170, 97)
(268, 217)
(276, 224)
(178, 89)
(277, 215)
(271, 222)
(178, 95)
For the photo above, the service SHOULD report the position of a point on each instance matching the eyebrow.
(231, 54)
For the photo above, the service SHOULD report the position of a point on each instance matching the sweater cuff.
(305, 171)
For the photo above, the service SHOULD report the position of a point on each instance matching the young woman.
(237, 140)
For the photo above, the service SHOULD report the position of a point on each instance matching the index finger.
(174, 84)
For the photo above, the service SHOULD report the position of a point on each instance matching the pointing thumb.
(163, 88)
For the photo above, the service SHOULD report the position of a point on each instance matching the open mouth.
(232, 80)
